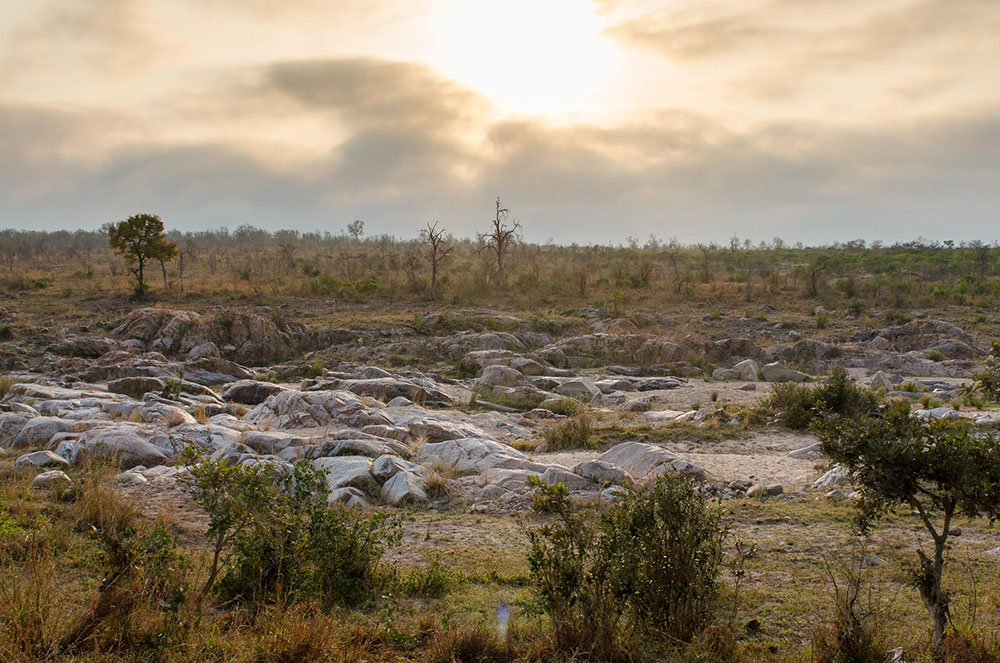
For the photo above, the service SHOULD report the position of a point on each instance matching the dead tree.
(439, 245)
(500, 238)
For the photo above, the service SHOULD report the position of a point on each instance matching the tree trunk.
(935, 600)
(434, 276)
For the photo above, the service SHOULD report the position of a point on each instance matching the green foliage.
(139, 239)
(939, 469)
(822, 321)
(798, 406)
(285, 540)
(645, 569)
(573, 433)
(987, 382)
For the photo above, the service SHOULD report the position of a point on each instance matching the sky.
(593, 120)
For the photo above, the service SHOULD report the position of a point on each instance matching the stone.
(473, 455)
(601, 472)
(747, 370)
(347, 472)
(663, 416)
(205, 350)
(126, 443)
(776, 372)
(85, 346)
(811, 452)
(580, 388)
(137, 386)
(387, 466)
(51, 479)
(503, 376)
(571, 480)
(942, 412)
(404, 488)
(349, 497)
(250, 392)
(835, 476)
(316, 409)
(880, 381)
(760, 490)
(41, 459)
(37, 431)
(644, 462)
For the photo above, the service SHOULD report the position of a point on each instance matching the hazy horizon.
(593, 120)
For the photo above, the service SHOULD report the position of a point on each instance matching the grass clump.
(574, 433)
(797, 406)
(565, 406)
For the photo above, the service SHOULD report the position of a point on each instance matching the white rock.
(775, 372)
(580, 388)
(473, 455)
(812, 452)
(748, 370)
(41, 459)
(404, 487)
(601, 472)
(644, 462)
(51, 479)
(347, 472)
(571, 480)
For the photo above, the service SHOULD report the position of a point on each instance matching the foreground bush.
(797, 406)
(645, 570)
(286, 542)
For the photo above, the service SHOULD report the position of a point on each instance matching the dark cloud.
(366, 92)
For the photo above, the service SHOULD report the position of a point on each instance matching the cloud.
(778, 48)
(103, 37)
(367, 92)
(413, 147)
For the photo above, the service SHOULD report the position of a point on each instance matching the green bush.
(281, 539)
(798, 406)
(642, 571)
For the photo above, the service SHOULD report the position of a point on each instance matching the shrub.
(6, 382)
(987, 382)
(286, 541)
(798, 406)
(935, 355)
(574, 433)
(822, 321)
(644, 570)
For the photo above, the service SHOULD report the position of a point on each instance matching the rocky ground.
(459, 425)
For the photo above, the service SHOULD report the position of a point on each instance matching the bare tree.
(439, 244)
(500, 238)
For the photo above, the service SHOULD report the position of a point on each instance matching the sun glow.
(527, 56)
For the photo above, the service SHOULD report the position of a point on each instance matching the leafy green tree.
(233, 496)
(939, 469)
(140, 239)
(987, 382)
